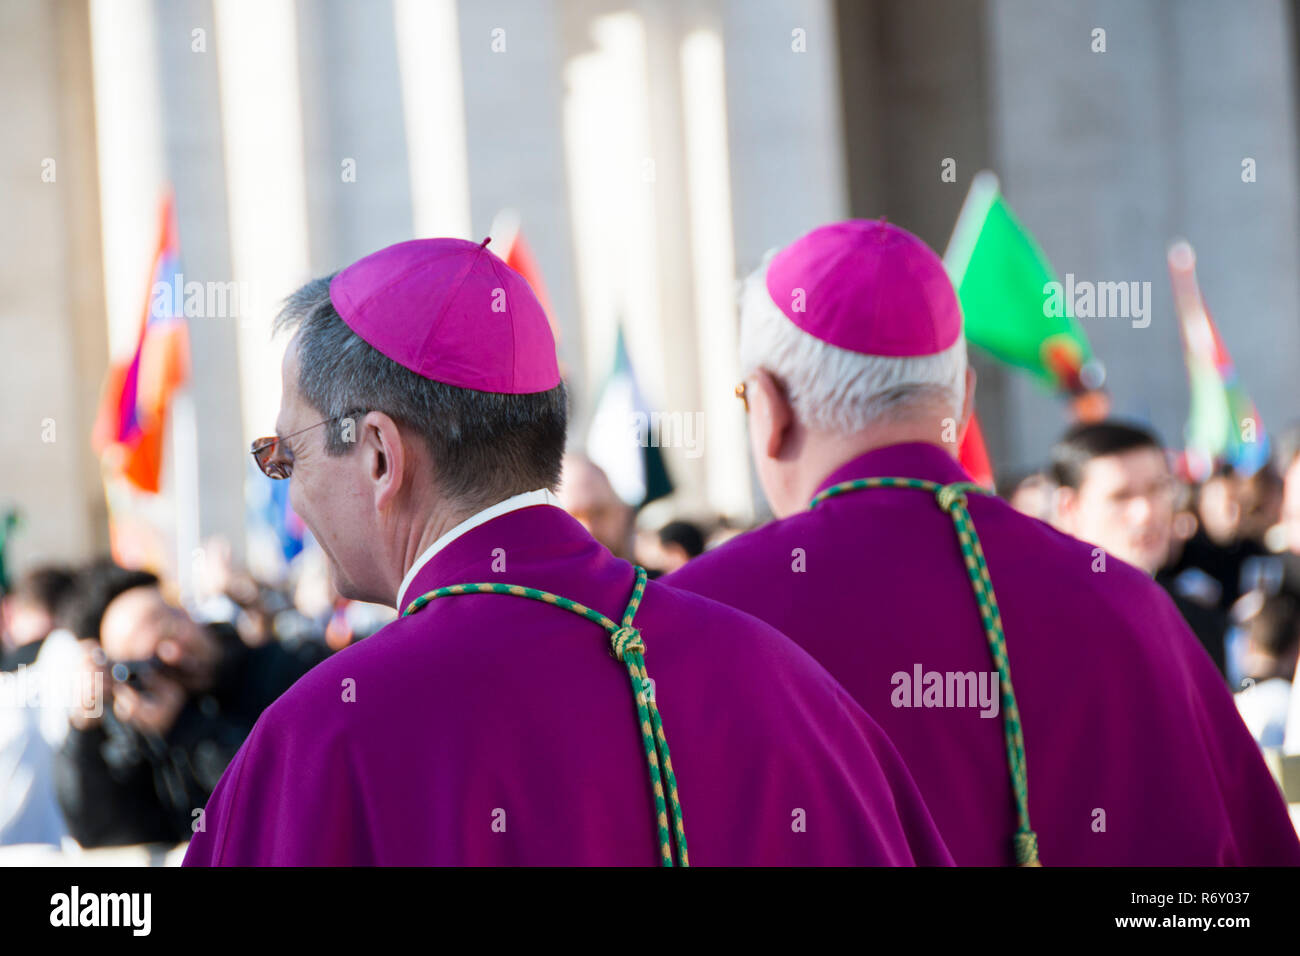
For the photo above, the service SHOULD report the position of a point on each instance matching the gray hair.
(833, 389)
(485, 446)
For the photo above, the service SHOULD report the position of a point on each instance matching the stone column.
(1107, 156)
(193, 152)
(354, 143)
(783, 108)
(512, 58)
(52, 329)
(786, 135)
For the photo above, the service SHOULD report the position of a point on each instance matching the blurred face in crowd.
(1124, 505)
(653, 553)
(1291, 506)
(24, 620)
(585, 493)
(1220, 508)
(1034, 497)
(1260, 502)
(139, 622)
(673, 556)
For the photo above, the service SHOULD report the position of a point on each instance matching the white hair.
(833, 389)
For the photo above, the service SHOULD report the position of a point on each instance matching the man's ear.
(771, 413)
(383, 455)
(1065, 506)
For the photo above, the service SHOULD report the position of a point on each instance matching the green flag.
(1003, 281)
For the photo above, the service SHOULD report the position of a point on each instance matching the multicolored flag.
(1223, 425)
(1002, 279)
(621, 439)
(129, 429)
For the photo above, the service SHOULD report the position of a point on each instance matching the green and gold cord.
(952, 499)
(627, 646)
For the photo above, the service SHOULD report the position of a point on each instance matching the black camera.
(133, 673)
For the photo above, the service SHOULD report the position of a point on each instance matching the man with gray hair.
(1117, 743)
(423, 422)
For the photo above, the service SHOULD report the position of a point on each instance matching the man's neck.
(825, 453)
(424, 536)
(453, 522)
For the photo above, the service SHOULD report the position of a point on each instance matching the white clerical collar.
(526, 500)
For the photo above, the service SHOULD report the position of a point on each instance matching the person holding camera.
(179, 699)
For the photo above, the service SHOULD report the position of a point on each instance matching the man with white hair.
(507, 717)
(1117, 742)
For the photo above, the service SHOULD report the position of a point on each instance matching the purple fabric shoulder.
(1135, 752)
(490, 729)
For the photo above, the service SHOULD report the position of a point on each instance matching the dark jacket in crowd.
(1206, 579)
(1224, 565)
(118, 786)
(1208, 621)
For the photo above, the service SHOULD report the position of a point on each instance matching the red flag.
(974, 457)
(510, 245)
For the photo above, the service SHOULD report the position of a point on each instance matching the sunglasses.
(264, 452)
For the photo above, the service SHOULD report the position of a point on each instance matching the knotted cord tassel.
(952, 499)
(1026, 844)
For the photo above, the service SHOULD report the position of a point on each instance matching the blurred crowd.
(131, 700)
(122, 701)
(1226, 549)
